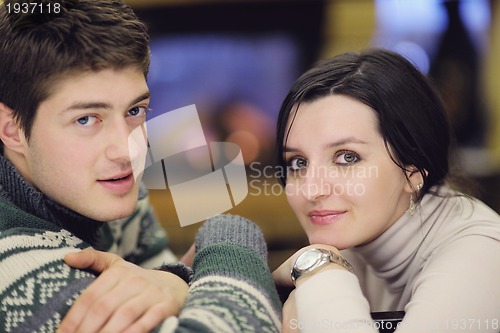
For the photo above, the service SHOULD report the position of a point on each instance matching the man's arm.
(232, 289)
(125, 297)
(37, 287)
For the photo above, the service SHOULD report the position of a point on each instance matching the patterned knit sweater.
(232, 289)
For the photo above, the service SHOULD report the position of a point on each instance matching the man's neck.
(15, 189)
(19, 162)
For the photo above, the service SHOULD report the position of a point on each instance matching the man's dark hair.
(38, 49)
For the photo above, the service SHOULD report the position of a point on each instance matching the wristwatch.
(313, 259)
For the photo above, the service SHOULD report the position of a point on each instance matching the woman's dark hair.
(411, 116)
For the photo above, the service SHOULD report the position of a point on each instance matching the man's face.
(78, 152)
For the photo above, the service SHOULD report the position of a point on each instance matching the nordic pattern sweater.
(232, 289)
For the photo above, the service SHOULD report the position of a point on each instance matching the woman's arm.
(457, 290)
(328, 299)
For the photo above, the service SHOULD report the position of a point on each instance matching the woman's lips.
(325, 217)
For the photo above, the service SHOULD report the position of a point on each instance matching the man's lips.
(116, 177)
(120, 183)
(324, 217)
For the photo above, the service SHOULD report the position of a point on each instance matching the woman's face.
(342, 184)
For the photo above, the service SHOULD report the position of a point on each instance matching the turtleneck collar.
(15, 189)
(393, 252)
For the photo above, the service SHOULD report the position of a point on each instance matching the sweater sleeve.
(331, 301)
(36, 287)
(232, 289)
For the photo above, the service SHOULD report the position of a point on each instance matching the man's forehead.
(84, 105)
(89, 87)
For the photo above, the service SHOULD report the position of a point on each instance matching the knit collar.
(15, 189)
(393, 254)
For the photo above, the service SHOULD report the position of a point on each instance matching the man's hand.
(124, 298)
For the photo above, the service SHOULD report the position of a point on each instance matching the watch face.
(307, 259)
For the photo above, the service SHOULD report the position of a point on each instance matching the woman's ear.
(10, 133)
(415, 179)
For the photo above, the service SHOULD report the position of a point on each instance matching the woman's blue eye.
(347, 158)
(296, 164)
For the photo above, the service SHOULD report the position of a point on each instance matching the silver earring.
(412, 207)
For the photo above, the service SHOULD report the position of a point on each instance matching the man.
(72, 89)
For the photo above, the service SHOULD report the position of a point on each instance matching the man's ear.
(415, 179)
(10, 133)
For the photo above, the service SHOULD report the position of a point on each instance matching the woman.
(365, 142)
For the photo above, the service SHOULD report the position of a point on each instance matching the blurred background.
(237, 59)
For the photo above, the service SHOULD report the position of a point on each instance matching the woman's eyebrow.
(340, 142)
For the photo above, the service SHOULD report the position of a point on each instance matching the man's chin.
(112, 211)
(111, 216)
(105, 205)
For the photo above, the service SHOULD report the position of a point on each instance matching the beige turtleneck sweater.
(441, 266)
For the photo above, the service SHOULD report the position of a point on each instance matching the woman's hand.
(188, 257)
(289, 323)
(282, 278)
(124, 298)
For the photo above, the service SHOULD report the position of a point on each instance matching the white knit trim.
(248, 288)
(17, 265)
(43, 239)
(210, 319)
(169, 325)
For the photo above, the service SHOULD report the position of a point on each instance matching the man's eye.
(86, 120)
(138, 111)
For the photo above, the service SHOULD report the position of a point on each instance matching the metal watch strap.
(341, 261)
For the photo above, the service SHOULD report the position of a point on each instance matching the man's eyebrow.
(337, 143)
(141, 98)
(103, 105)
